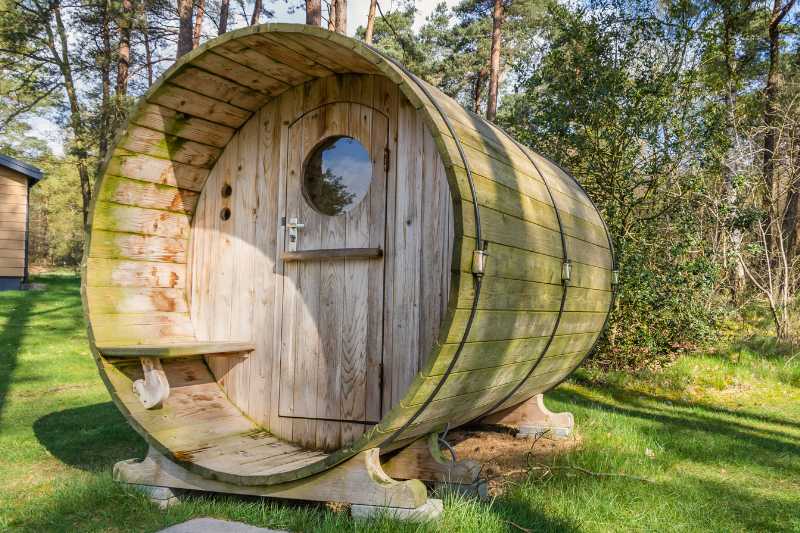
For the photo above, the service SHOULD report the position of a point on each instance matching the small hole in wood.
(225, 214)
(226, 191)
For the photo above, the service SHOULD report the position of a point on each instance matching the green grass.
(717, 434)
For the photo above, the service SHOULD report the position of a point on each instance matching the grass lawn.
(717, 436)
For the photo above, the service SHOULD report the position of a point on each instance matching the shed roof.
(31, 171)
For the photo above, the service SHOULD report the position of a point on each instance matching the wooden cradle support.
(359, 480)
(531, 419)
(424, 460)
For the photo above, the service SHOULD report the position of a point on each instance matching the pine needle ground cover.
(710, 443)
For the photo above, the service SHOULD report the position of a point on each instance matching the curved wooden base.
(531, 418)
(359, 480)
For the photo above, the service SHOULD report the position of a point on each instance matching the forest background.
(681, 118)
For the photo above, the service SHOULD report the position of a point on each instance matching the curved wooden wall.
(135, 274)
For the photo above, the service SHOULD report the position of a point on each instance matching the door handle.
(291, 234)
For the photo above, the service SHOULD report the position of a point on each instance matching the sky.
(356, 16)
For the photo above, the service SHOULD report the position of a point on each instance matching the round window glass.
(337, 175)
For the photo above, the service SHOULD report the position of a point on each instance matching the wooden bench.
(154, 388)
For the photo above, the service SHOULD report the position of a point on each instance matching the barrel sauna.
(298, 251)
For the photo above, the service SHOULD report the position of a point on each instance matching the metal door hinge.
(386, 159)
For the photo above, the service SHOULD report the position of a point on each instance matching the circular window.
(337, 175)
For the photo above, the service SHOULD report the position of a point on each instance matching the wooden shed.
(299, 252)
(16, 179)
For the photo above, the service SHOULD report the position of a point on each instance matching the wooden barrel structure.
(298, 251)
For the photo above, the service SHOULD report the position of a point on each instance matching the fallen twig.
(549, 469)
(525, 529)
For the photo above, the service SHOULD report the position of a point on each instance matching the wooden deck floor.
(200, 425)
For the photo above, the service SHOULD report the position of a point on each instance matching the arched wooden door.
(333, 273)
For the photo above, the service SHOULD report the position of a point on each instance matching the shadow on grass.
(618, 392)
(12, 336)
(697, 432)
(93, 437)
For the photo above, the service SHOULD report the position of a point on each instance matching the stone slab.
(428, 511)
(212, 525)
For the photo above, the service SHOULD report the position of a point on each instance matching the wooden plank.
(265, 276)
(221, 261)
(12, 176)
(120, 300)
(148, 195)
(233, 71)
(9, 186)
(238, 51)
(174, 123)
(132, 219)
(11, 234)
(154, 143)
(334, 374)
(460, 383)
(141, 328)
(332, 55)
(501, 325)
(120, 273)
(198, 105)
(13, 221)
(15, 208)
(160, 171)
(499, 197)
(12, 262)
(289, 106)
(434, 213)
(384, 99)
(244, 228)
(114, 245)
(308, 341)
(487, 354)
(516, 263)
(220, 88)
(500, 228)
(9, 272)
(511, 294)
(408, 230)
(9, 248)
(169, 351)
(514, 178)
(274, 47)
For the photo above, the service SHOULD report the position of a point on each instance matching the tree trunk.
(257, 8)
(223, 16)
(477, 91)
(198, 23)
(332, 15)
(370, 21)
(779, 11)
(105, 79)
(185, 28)
(341, 16)
(144, 27)
(494, 59)
(314, 12)
(60, 53)
(124, 48)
